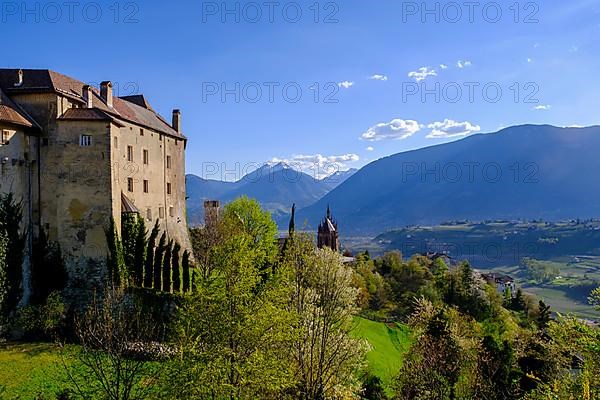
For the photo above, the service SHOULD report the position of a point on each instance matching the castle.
(78, 156)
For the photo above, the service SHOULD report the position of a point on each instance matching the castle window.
(161, 212)
(141, 132)
(130, 184)
(116, 142)
(149, 214)
(85, 140)
(130, 153)
(145, 156)
(146, 185)
(169, 162)
(168, 188)
(5, 137)
(171, 211)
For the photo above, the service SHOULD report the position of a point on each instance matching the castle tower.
(328, 235)
(211, 212)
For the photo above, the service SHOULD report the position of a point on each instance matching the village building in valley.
(77, 156)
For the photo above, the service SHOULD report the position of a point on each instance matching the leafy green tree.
(185, 267)
(166, 271)
(149, 263)
(158, 260)
(326, 360)
(574, 345)
(594, 298)
(11, 216)
(234, 327)
(373, 388)
(259, 227)
(139, 258)
(175, 265)
(442, 355)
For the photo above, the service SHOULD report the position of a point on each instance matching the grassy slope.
(29, 370)
(388, 344)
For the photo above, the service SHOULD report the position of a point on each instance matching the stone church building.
(78, 155)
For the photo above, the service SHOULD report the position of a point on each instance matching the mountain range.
(521, 172)
(275, 186)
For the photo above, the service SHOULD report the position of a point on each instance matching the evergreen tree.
(148, 274)
(117, 272)
(166, 277)
(185, 266)
(518, 302)
(11, 215)
(129, 227)
(175, 268)
(544, 315)
(140, 252)
(158, 259)
(3, 280)
(48, 272)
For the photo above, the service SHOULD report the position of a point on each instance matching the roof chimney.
(177, 120)
(19, 78)
(106, 93)
(87, 96)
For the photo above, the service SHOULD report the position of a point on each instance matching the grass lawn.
(388, 344)
(30, 371)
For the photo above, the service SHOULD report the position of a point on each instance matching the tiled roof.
(9, 112)
(127, 205)
(138, 99)
(127, 108)
(87, 114)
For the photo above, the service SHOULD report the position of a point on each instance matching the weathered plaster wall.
(156, 203)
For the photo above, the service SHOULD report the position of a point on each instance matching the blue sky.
(370, 62)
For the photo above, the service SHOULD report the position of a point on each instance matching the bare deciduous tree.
(112, 361)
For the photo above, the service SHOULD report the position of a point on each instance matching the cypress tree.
(139, 252)
(117, 275)
(193, 283)
(148, 275)
(11, 215)
(129, 225)
(166, 283)
(175, 268)
(158, 259)
(48, 272)
(185, 266)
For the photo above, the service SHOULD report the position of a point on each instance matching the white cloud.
(542, 107)
(346, 84)
(463, 64)
(318, 165)
(422, 73)
(529, 60)
(450, 128)
(395, 129)
(378, 77)
(443, 66)
(370, 148)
